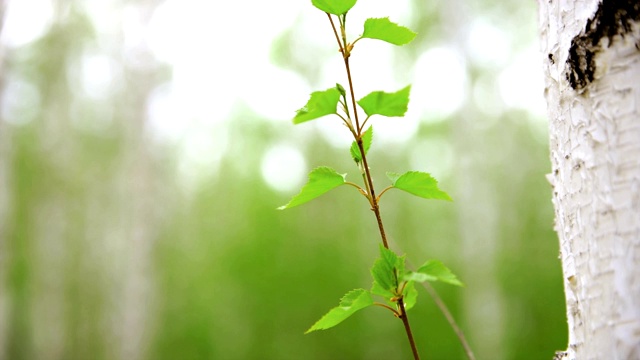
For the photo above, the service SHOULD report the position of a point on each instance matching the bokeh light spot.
(283, 168)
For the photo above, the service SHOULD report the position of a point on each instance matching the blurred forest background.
(145, 145)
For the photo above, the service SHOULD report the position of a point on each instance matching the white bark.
(594, 115)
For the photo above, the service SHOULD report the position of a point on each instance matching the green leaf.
(341, 89)
(433, 270)
(383, 271)
(321, 180)
(410, 295)
(383, 275)
(377, 289)
(418, 183)
(350, 303)
(385, 30)
(320, 104)
(418, 277)
(335, 7)
(367, 137)
(400, 265)
(386, 104)
(392, 259)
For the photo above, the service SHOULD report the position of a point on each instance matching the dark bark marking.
(613, 17)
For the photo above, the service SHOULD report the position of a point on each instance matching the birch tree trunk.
(592, 65)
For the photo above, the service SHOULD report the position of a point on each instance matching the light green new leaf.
(410, 295)
(388, 256)
(393, 260)
(383, 276)
(383, 271)
(321, 180)
(400, 265)
(385, 30)
(367, 137)
(433, 270)
(341, 89)
(418, 277)
(350, 303)
(335, 7)
(320, 104)
(418, 183)
(436, 269)
(377, 289)
(386, 104)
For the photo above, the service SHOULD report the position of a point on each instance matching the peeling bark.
(592, 70)
(611, 19)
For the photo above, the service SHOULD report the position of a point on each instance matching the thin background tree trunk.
(78, 206)
(478, 211)
(4, 202)
(138, 192)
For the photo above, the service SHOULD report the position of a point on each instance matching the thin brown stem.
(395, 312)
(356, 40)
(374, 201)
(364, 123)
(384, 191)
(336, 33)
(358, 138)
(360, 190)
(347, 124)
(407, 328)
(353, 97)
(365, 165)
(346, 52)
